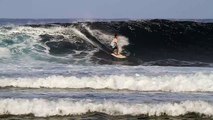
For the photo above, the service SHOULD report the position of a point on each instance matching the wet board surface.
(118, 56)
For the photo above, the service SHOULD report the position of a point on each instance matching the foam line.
(174, 83)
(44, 107)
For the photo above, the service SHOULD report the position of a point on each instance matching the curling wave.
(149, 42)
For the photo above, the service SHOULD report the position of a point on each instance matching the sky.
(107, 9)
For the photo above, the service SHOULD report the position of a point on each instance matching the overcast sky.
(134, 9)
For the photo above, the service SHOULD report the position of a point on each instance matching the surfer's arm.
(116, 44)
(113, 43)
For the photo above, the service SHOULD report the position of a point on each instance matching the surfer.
(116, 49)
(114, 45)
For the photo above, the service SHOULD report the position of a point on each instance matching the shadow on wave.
(152, 42)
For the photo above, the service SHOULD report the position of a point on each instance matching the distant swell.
(61, 107)
(174, 83)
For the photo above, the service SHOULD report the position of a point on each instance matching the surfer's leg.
(115, 51)
(118, 51)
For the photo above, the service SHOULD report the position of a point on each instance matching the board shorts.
(114, 48)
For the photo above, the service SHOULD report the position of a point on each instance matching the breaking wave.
(197, 82)
(150, 42)
(62, 107)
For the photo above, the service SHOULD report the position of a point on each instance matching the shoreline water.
(102, 116)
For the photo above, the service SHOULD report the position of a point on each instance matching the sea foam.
(174, 83)
(44, 107)
(4, 52)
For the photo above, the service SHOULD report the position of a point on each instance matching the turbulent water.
(63, 69)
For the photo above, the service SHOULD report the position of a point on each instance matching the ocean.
(62, 69)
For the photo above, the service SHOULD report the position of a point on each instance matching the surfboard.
(118, 56)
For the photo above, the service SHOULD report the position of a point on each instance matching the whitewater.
(50, 69)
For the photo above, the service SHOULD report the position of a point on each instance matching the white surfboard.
(118, 56)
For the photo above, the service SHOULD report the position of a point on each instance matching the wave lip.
(61, 107)
(197, 82)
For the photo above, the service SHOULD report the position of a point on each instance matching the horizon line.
(113, 18)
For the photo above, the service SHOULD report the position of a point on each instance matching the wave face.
(62, 107)
(151, 42)
(165, 40)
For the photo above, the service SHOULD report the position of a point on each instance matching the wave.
(56, 44)
(149, 42)
(197, 82)
(62, 107)
(104, 116)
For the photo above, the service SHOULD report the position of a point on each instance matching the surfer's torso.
(114, 43)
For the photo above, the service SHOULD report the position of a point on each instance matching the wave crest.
(44, 107)
(174, 83)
